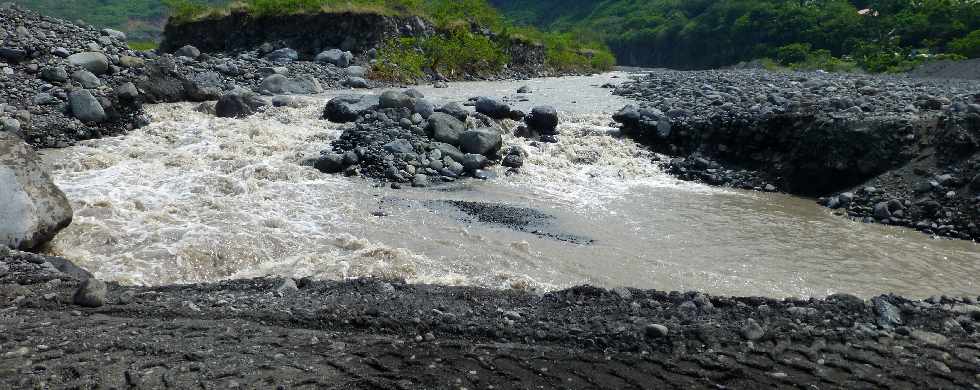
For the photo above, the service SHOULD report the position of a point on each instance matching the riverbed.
(194, 198)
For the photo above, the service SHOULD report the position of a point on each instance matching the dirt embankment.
(390, 335)
(308, 34)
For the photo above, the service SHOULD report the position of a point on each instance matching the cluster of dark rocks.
(402, 138)
(187, 74)
(914, 141)
(61, 82)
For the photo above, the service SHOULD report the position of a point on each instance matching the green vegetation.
(450, 54)
(461, 46)
(877, 35)
(473, 37)
(143, 45)
(968, 46)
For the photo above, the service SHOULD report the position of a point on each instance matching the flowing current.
(193, 198)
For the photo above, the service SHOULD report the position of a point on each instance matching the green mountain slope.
(140, 19)
(709, 33)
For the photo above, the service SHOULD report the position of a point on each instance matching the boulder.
(114, 34)
(881, 211)
(399, 146)
(91, 61)
(357, 71)
(238, 104)
(131, 62)
(282, 55)
(424, 108)
(543, 119)
(492, 108)
(336, 57)
(448, 150)
(86, 107)
(127, 92)
(202, 86)
(54, 74)
(330, 163)
(357, 82)
(471, 162)
(485, 141)
(33, 209)
(12, 55)
(456, 110)
(91, 293)
(11, 125)
(347, 108)
(279, 84)
(86, 79)
(445, 128)
(396, 99)
(188, 51)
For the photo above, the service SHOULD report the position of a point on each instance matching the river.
(193, 198)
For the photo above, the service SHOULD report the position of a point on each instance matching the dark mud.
(375, 334)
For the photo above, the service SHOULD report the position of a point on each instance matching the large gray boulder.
(543, 119)
(357, 71)
(485, 141)
(456, 110)
(91, 61)
(203, 86)
(86, 79)
(424, 108)
(347, 108)
(396, 99)
(302, 85)
(115, 34)
(86, 107)
(33, 209)
(188, 51)
(445, 128)
(54, 74)
(492, 108)
(336, 57)
(238, 104)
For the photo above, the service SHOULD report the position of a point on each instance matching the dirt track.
(389, 335)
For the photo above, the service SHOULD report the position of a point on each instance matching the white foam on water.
(193, 198)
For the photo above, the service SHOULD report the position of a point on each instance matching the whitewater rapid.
(194, 198)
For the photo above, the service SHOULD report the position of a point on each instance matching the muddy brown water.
(194, 198)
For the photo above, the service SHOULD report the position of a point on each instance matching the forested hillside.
(140, 19)
(876, 34)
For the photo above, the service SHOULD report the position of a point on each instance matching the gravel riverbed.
(384, 334)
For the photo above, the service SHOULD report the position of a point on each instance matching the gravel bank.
(883, 149)
(386, 334)
(61, 82)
